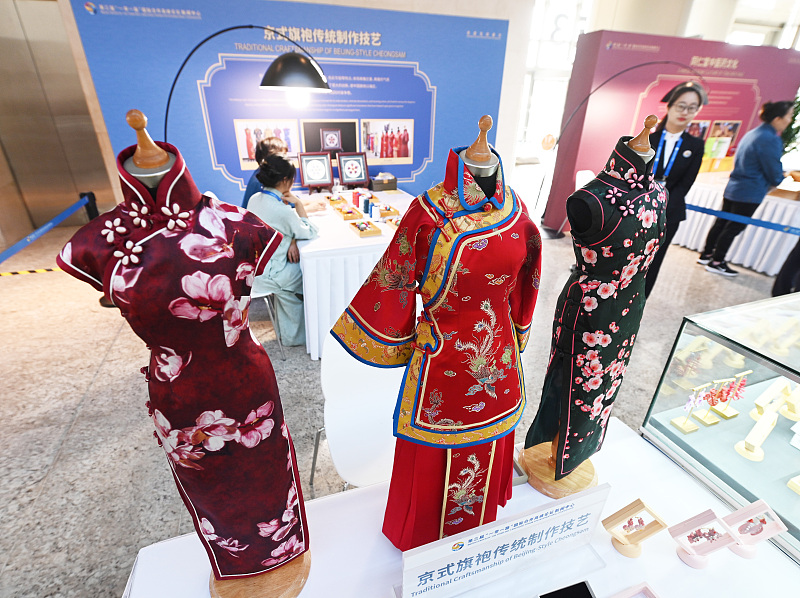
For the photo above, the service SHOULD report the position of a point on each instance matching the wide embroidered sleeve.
(523, 298)
(378, 325)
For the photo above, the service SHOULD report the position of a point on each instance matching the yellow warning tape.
(31, 271)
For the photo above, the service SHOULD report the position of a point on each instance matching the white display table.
(351, 558)
(335, 264)
(758, 248)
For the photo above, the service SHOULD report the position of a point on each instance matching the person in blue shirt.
(756, 168)
(265, 147)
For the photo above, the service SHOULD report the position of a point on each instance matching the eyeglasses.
(690, 108)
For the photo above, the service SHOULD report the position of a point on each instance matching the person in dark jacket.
(677, 161)
(756, 168)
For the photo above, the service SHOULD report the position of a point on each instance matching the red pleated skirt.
(436, 492)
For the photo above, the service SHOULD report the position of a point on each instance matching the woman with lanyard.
(282, 277)
(677, 161)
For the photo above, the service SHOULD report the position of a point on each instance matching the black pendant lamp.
(295, 70)
(288, 71)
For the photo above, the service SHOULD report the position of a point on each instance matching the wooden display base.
(632, 551)
(794, 484)
(284, 582)
(757, 454)
(347, 212)
(536, 461)
(705, 417)
(370, 231)
(695, 561)
(726, 412)
(684, 424)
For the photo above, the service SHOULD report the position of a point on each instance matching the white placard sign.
(454, 564)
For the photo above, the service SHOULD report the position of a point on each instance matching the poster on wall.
(638, 70)
(395, 94)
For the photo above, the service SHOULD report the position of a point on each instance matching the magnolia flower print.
(205, 249)
(257, 426)
(229, 544)
(246, 271)
(124, 280)
(290, 548)
(213, 430)
(169, 364)
(235, 318)
(207, 297)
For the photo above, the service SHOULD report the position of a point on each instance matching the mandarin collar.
(458, 180)
(625, 162)
(177, 186)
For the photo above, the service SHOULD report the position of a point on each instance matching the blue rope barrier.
(784, 228)
(21, 244)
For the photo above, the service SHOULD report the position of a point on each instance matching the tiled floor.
(85, 485)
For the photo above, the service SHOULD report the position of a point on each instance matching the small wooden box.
(393, 222)
(348, 212)
(389, 212)
(370, 231)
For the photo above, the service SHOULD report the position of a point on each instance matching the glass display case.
(727, 407)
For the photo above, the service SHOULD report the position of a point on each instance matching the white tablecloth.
(758, 248)
(335, 264)
(351, 558)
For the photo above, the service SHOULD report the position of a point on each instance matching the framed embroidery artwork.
(315, 169)
(699, 536)
(330, 139)
(353, 168)
(631, 525)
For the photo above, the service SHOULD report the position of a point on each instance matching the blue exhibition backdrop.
(431, 75)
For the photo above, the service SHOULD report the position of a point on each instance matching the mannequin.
(473, 256)
(179, 266)
(617, 220)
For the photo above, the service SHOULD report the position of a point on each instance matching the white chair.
(359, 405)
(273, 317)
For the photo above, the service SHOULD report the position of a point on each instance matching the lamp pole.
(212, 36)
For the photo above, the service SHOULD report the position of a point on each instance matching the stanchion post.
(91, 204)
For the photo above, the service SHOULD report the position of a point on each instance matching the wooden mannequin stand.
(284, 582)
(539, 462)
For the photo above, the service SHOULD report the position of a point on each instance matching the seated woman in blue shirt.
(282, 277)
(756, 168)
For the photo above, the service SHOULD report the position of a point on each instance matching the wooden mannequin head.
(148, 154)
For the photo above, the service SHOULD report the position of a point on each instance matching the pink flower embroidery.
(651, 245)
(590, 255)
(604, 340)
(646, 217)
(214, 429)
(235, 318)
(590, 339)
(169, 364)
(589, 303)
(606, 290)
(613, 327)
(257, 426)
(207, 296)
(595, 383)
(627, 243)
(607, 252)
(597, 407)
(592, 355)
(613, 194)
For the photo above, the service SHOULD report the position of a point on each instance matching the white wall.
(518, 13)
